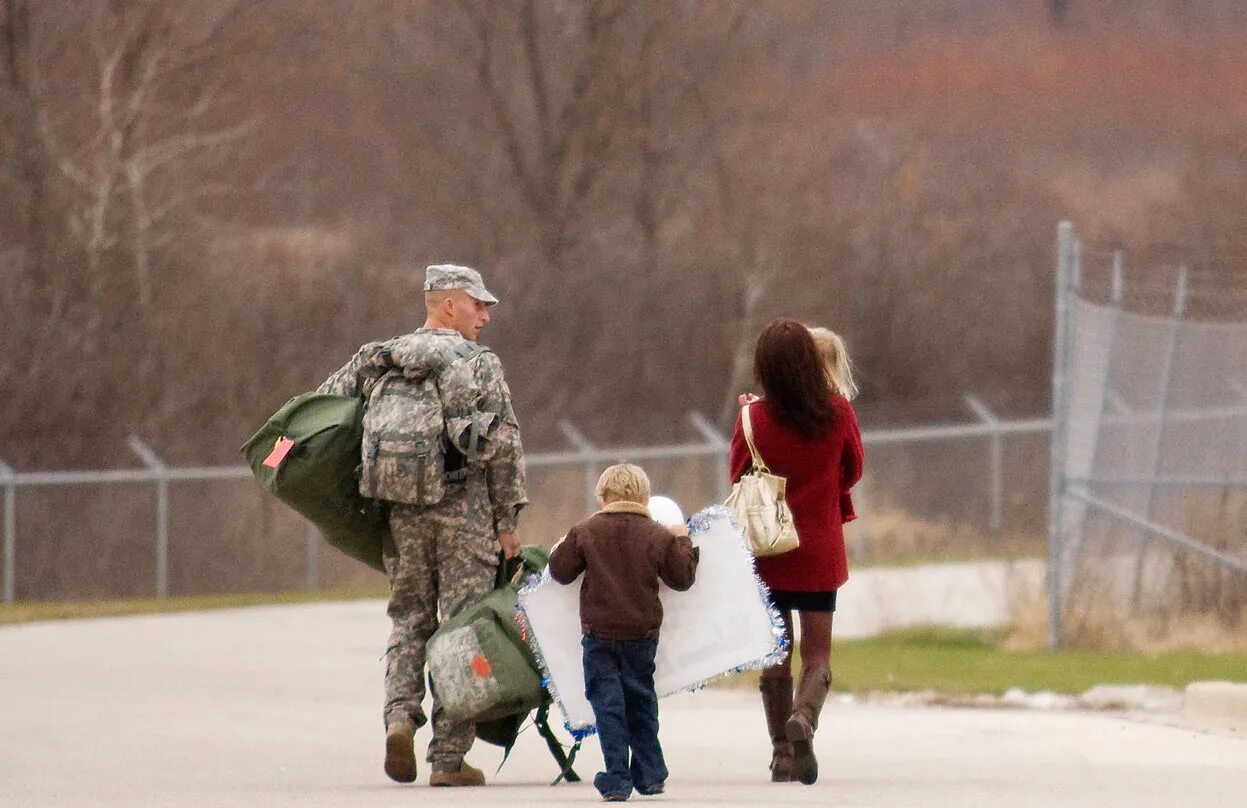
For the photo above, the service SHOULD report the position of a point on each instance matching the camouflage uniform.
(445, 554)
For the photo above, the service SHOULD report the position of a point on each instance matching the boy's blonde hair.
(836, 361)
(623, 481)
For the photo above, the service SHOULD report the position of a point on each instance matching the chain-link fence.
(1144, 508)
(157, 531)
(1149, 474)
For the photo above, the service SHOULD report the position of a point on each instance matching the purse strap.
(758, 463)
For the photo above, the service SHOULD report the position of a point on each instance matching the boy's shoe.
(650, 791)
(612, 789)
(400, 756)
(465, 776)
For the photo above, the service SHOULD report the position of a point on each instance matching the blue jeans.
(619, 683)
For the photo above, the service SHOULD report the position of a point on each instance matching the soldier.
(448, 519)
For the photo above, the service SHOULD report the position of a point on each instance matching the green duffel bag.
(479, 660)
(307, 455)
(482, 669)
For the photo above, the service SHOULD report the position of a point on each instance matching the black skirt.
(803, 601)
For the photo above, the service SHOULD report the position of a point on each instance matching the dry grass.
(63, 610)
(1099, 627)
(897, 537)
(1131, 593)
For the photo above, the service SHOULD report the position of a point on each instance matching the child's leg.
(648, 770)
(605, 692)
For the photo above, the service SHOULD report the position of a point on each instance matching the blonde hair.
(623, 481)
(835, 361)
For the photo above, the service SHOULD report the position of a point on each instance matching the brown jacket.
(623, 554)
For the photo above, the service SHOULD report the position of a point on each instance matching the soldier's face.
(468, 315)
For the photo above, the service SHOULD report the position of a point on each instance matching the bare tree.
(17, 89)
(154, 104)
(115, 117)
(549, 114)
(1058, 10)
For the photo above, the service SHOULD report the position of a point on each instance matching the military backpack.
(421, 426)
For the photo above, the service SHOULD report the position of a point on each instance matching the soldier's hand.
(510, 544)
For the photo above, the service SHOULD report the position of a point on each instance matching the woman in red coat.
(807, 433)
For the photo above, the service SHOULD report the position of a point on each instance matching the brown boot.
(777, 704)
(465, 776)
(811, 693)
(400, 756)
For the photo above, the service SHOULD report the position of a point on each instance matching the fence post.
(10, 531)
(722, 444)
(1240, 389)
(1066, 256)
(995, 459)
(1075, 267)
(1162, 410)
(154, 463)
(1119, 279)
(582, 445)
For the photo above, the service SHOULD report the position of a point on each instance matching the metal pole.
(1236, 563)
(10, 532)
(716, 440)
(1075, 270)
(995, 459)
(1119, 279)
(154, 463)
(1167, 481)
(1056, 473)
(1241, 390)
(1158, 452)
(582, 444)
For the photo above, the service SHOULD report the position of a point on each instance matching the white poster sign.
(722, 624)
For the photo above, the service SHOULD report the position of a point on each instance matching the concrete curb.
(1222, 704)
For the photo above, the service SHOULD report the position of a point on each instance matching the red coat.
(820, 474)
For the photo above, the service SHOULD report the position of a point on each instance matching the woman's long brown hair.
(789, 368)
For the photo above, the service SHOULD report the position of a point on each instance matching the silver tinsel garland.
(698, 523)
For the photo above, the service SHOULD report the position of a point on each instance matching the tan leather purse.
(757, 500)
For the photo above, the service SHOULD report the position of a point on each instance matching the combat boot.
(777, 704)
(466, 776)
(811, 693)
(400, 754)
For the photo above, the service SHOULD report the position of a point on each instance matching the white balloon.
(665, 511)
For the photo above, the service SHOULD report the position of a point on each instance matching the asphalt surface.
(280, 706)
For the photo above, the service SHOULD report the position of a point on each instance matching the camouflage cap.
(451, 276)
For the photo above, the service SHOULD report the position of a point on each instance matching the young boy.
(623, 554)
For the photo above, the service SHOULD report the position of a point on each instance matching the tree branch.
(510, 134)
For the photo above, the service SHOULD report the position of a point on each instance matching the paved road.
(279, 706)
